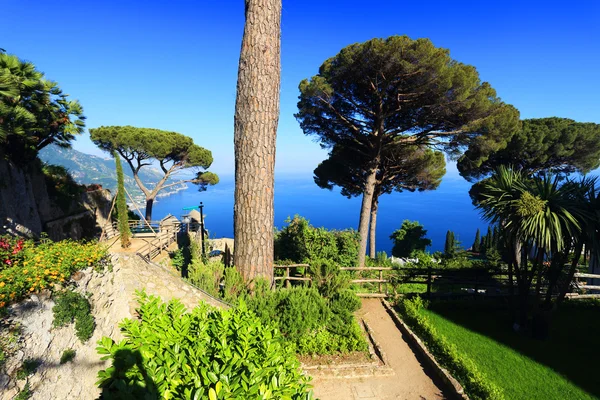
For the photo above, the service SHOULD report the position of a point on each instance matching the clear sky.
(173, 64)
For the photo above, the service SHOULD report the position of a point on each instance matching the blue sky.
(173, 65)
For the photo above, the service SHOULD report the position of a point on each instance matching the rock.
(77, 276)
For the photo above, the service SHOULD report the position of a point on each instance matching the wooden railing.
(158, 244)
(579, 284)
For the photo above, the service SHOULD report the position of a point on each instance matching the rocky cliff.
(27, 207)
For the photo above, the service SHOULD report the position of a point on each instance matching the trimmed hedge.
(461, 367)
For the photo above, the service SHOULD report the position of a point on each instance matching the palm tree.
(535, 214)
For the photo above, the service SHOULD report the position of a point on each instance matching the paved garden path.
(410, 379)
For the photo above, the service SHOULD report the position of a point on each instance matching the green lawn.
(567, 366)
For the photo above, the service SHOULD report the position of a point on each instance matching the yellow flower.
(31, 289)
(47, 271)
(25, 271)
(62, 279)
(2, 284)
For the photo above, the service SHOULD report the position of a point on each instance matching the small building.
(169, 223)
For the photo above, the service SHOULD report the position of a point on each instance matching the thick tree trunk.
(255, 131)
(363, 228)
(373, 227)
(149, 204)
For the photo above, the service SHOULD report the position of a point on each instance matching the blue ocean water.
(447, 208)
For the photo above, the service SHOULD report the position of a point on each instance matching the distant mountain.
(88, 169)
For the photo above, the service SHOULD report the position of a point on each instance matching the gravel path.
(410, 381)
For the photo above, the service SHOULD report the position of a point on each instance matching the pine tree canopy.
(557, 145)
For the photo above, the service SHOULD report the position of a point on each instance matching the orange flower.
(62, 279)
(2, 304)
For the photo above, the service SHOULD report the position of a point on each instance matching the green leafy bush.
(71, 306)
(207, 276)
(314, 324)
(328, 278)
(28, 367)
(461, 367)
(67, 355)
(301, 242)
(206, 354)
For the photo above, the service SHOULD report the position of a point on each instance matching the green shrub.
(328, 278)
(71, 306)
(205, 354)
(234, 286)
(177, 259)
(300, 242)
(24, 394)
(28, 367)
(29, 267)
(207, 276)
(462, 368)
(67, 355)
(314, 324)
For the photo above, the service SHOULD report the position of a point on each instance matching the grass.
(67, 355)
(563, 367)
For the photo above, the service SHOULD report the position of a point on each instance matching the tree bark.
(149, 204)
(255, 132)
(373, 226)
(367, 202)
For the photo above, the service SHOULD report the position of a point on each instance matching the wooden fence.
(153, 247)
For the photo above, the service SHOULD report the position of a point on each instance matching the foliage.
(544, 145)
(410, 237)
(387, 94)
(34, 112)
(178, 259)
(476, 384)
(28, 367)
(67, 356)
(476, 247)
(523, 367)
(173, 151)
(74, 307)
(234, 285)
(25, 393)
(313, 323)
(27, 267)
(301, 242)
(122, 209)
(207, 276)
(449, 245)
(328, 278)
(62, 188)
(208, 353)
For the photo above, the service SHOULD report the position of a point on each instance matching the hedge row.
(462, 368)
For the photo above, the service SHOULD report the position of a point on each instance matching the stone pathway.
(410, 379)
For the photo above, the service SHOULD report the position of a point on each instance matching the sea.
(448, 207)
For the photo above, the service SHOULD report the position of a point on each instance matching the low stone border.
(452, 385)
(378, 367)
